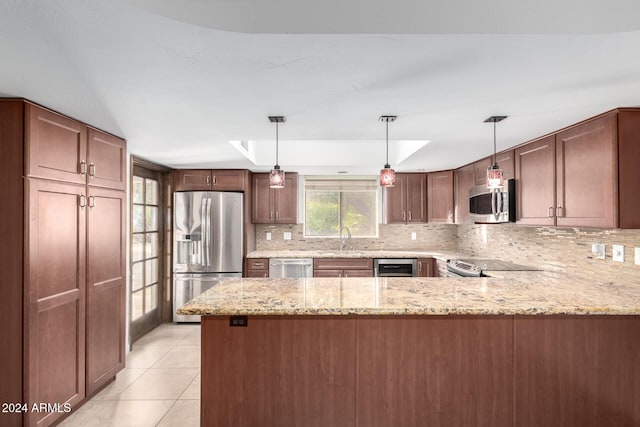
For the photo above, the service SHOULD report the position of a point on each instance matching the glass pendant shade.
(495, 179)
(276, 177)
(387, 176)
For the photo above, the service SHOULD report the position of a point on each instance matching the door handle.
(409, 215)
(277, 215)
(208, 180)
(550, 213)
(404, 216)
(82, 200)
(83, 167)
(92, 169)
(92, 202)
(559, 212)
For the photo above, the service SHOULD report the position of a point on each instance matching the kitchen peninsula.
(525, 348)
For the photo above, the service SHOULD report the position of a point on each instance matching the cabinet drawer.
(257, 264)
(327, 273)
(257, 273)
(343, 263)
(358, 273)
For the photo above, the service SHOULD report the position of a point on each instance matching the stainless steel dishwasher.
(291, 267)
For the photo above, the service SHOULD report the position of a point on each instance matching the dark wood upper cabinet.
(463, 181)
(210, 180)
(586, 174)
(106, 160)
(583, 176)
(192, 180)
(440, 196)
(274, 205)
(406, 201)
(106, 282)
(535, 182)
(56, 146)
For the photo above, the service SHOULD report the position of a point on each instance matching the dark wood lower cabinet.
(570, 371)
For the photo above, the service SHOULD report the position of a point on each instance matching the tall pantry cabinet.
(63, 223)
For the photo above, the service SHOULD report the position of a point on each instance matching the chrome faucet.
(342, 240)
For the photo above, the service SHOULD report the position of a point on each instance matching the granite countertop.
(355, 254)
(525, 293)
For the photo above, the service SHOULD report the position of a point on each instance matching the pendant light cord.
(494, 144)
(277, 143)
(387, 142)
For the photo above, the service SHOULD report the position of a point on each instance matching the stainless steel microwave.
(493, 206)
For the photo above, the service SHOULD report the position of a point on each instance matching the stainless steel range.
(475, 267)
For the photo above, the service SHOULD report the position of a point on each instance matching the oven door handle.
(494, 203)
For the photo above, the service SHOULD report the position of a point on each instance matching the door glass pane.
(137, 247)
(138, 189)
(137, 280)
(136, 304)
(151, 266)
(152, 192)
(151, 218)
(151, 248)
(150, 296)
(138, 219)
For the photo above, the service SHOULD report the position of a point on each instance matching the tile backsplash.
(441, 237)
(551, 248)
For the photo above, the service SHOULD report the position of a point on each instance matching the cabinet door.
(586, 179)
(463, 180)
(56, 146)
(425, 267)
(261, 200)
(506, 163)
(480, 170)
(55, 297)
(416, 197)
(440, 194)
(228, 180)
(192, 180)
(358, 273)
(535, 182)
(106, 226)
(395, 201)
(106, 158)
(286, 201)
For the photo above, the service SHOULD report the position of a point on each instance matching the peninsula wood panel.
(577, 371)
(11, 230)
(435, 371)
(279, 371)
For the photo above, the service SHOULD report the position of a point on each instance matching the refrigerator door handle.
(203, 233)
(209, 234)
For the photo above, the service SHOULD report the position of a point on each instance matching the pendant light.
(495, 179)
(276, 176)
(387, 175)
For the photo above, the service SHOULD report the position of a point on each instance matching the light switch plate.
(617, 253)
(637, 256)
(414, 235)
(286, 235)
(268, 236)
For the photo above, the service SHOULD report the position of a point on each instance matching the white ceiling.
(180, 79)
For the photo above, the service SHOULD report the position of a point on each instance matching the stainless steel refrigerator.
(207, 243)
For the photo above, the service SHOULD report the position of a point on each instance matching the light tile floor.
(160, 385)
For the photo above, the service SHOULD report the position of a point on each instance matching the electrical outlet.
(414, 235)
(617, 253)
(637, 256)
(268, 236)
(599, 250)
(286, 235)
